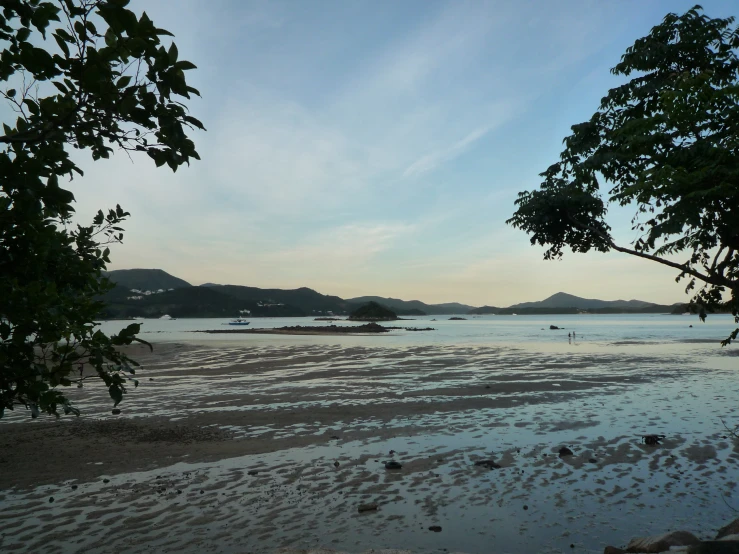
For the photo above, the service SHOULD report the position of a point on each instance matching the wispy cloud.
(431, 161)
(334, 128)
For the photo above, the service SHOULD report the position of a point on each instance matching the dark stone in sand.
(662, 543)
(490, 464)
(730, 529)
(252, 472)
(392, 464)
(74, 487)
(457, 319)
(564, 451)
(336, 464)
(715, 547)
(106, 480)
(115, 411)
(525, 507)
(51, 499)
(593, 461)
(334, 437)
(435, 528)
(555, 328)
(652, 440)
(367, 508)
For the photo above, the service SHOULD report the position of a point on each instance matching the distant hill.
(482, 310)
(412, 307)
(563, 303)
(146, 279)
(372, 311)
(218, 301)
(190, 302)
(564, 300)
(307, 300)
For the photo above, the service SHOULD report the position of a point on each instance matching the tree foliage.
(87, 75)
(667, 143)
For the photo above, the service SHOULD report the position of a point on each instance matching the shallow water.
(440, 401)
(507, 330)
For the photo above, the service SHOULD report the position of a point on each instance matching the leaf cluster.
(665, 142)
(106, 82)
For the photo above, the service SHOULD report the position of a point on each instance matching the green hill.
(372, 311)
(307, 300)
(189, 302)
(564, 300)
(146, 279)
(411, 307)
(484, 310)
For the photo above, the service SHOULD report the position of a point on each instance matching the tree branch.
(718, 280)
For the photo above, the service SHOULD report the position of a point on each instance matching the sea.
(591, 330)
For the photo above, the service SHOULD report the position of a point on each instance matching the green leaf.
(185, 65)
(172, 53)
(116, 394)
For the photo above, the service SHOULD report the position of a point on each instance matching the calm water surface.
(510, 330)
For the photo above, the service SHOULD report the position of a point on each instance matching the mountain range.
(154, 292)
(564, 300)
(408, 307)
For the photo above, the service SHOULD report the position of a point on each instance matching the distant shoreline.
(369, 328)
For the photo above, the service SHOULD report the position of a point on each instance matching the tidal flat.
(253, 447)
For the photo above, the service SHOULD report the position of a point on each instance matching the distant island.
(372, 311)
(367, 328)
(152, 293)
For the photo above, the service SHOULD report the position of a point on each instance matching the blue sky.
(361, 147)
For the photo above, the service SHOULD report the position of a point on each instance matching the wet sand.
(251, 449)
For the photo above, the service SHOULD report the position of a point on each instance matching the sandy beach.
(237, 448)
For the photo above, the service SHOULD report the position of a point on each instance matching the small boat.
(239, 321)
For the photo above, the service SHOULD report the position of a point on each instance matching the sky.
(377, 147)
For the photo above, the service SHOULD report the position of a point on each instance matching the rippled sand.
(252, 449)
